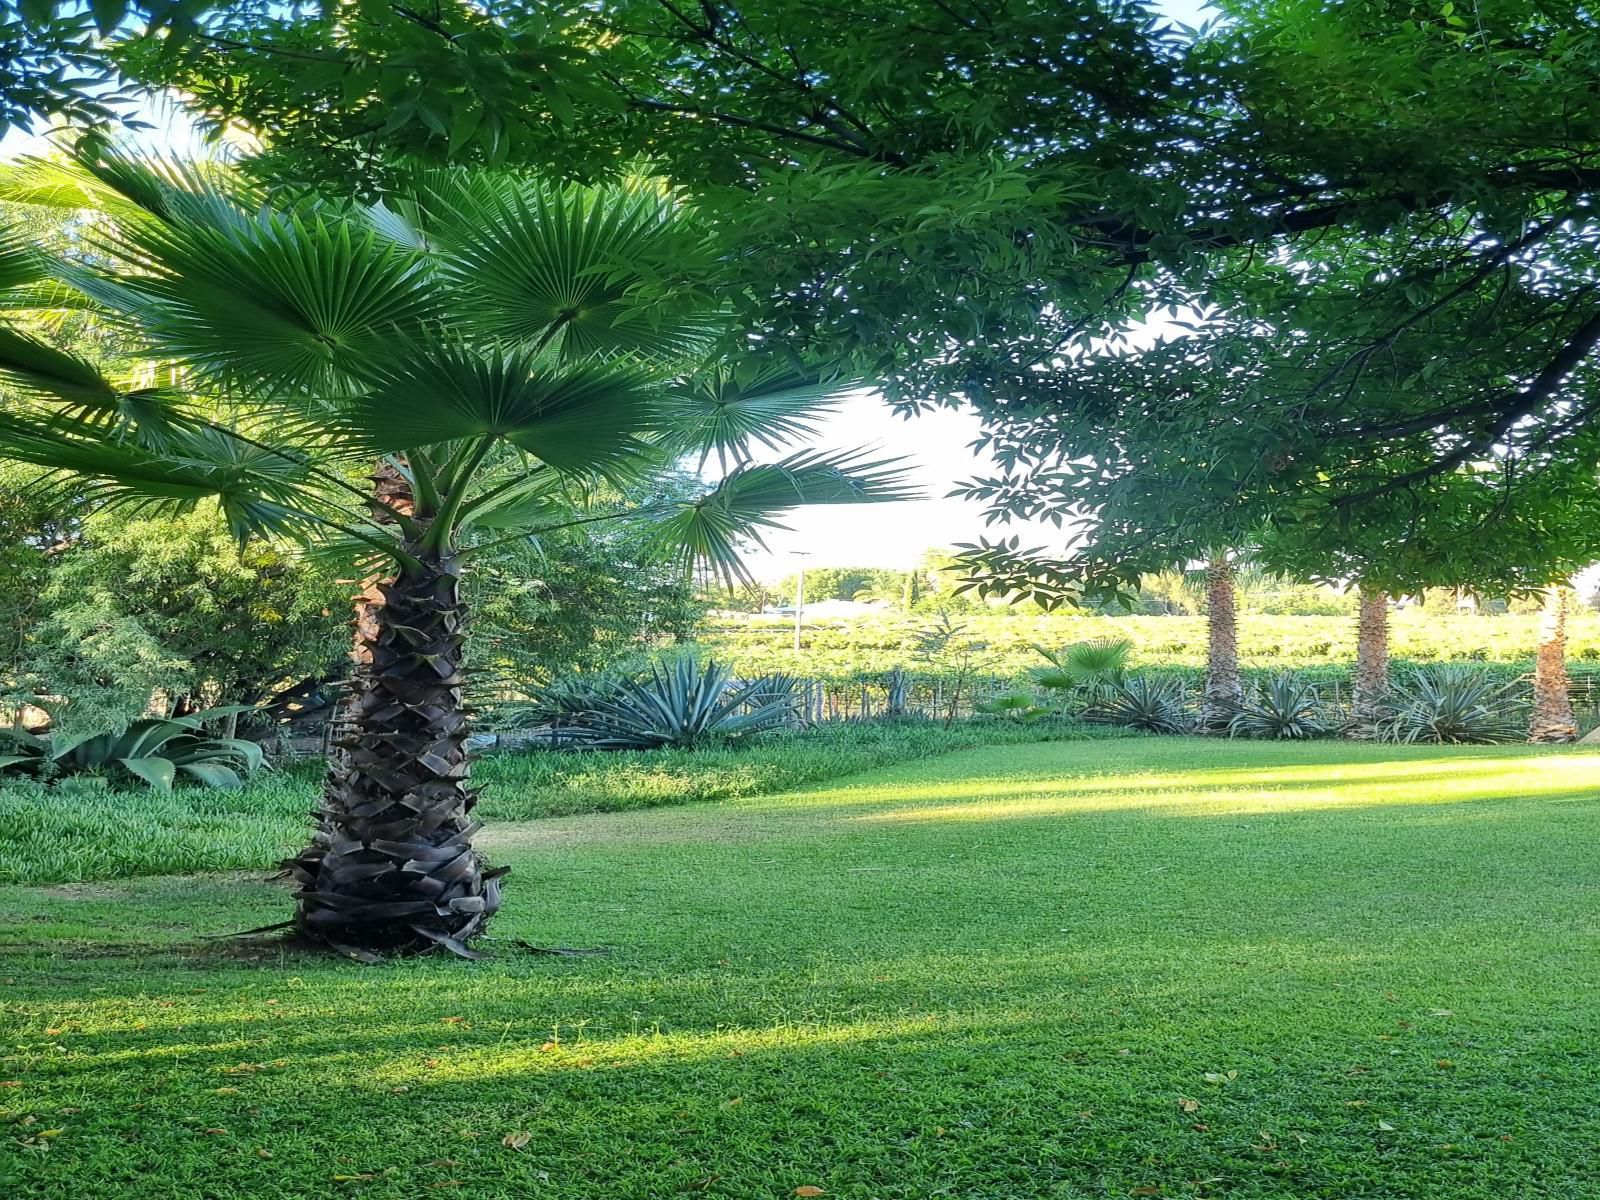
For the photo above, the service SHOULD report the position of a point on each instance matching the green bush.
(1285, 707)
(1148, 703)
(1452, 705)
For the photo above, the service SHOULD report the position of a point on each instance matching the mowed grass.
(1146, 967)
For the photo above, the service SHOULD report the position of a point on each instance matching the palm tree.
(503, 345)
(1552, 719)
(1371, 684)
(1224, 691)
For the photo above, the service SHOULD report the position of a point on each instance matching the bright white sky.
(936, 446)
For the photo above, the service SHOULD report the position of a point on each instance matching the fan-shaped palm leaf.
(727, 410)
(712, 530)
(574, 417)
(278, 304)
(580, 268)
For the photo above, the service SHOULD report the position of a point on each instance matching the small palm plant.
(498, 346)
(1085, 670)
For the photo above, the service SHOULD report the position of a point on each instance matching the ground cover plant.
(68, 836)
(1152, 967)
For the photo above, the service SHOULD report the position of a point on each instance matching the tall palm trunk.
(1224, 692)
(398, 871)
(1371, 685)
(1552, 719)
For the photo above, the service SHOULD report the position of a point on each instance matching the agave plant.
(1451, 705)
(1286, 707)
(153, 751)
(1154, 704)
(1087, 669)
(684, 704)
(492, 344)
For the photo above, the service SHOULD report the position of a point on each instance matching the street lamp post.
(799, 596)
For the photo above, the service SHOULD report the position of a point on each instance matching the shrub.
(1446, 705)
(683, 704)
(1087, 668)
(153, 751)
(1284, 707)
(1151, 703)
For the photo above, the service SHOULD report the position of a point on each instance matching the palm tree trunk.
(1224, 692)
(1552, 719)
(1371, 684)
(391, 487)
(398, 871)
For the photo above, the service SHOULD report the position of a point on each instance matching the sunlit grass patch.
(1206, 968)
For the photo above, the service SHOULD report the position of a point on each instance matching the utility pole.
(799, 596)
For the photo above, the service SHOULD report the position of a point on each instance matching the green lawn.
(1138, 967)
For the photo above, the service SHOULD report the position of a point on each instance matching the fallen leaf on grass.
(517, 1140)
(364, 1177)
(1220, 1076)
(1188, 1105)
(215, 1132)
(1441, 1012)
(1149, 1189)
(1385, 1127)
(733, 1103)
(1444, 1064)
(809, 1189)
(263, 1153)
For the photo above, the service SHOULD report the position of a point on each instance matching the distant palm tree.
(1552, 718)
(499, 344)
(1224, 690)
(1370, 688)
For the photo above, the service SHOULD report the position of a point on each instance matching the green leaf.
(576, 418)
(212, 774)
(159, 773)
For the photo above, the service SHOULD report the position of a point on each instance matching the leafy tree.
(505, 344)
(214, 626)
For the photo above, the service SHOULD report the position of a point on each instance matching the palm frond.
(583, 269)
(259, 491)
(21, 264)
(41, 372)
(279, 303)
(713, 530)
(573, 417)
(727, 410)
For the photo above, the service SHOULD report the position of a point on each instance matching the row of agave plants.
(1093, 681)
(689, 703)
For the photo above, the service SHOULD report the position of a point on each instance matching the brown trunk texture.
(1552, 719)
(1371, 686)
(393, 869)
(1224, 692)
